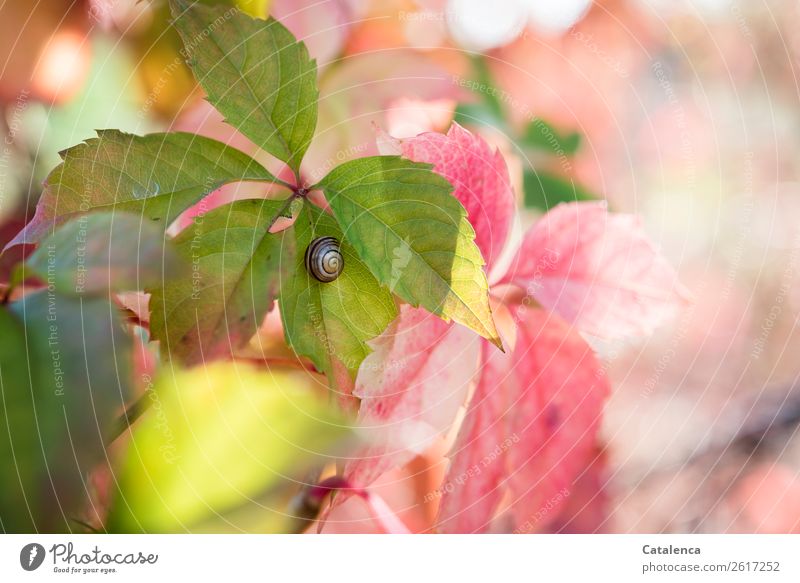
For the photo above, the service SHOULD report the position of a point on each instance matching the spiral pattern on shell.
(324, 259)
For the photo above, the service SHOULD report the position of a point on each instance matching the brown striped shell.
(324, 259)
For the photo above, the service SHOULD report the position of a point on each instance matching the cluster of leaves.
(264, 83)
(417, 226)
(101, 228)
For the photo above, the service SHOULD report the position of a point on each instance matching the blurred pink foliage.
(598, 271)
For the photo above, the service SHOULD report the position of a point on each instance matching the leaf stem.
(283, 183)
(278, 361)
(86, 525)
(307, 505)
(128, 417)
(17, 277)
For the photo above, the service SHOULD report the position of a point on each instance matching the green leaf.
(104, 251)
(237, 268)
(85, 351)
(258, 8)
(331, 322)
(486, 86)
(157, 175)
(22, 463)
(544, 190)
(65, 368)
(477, 114)
(414, 236)
(254, 72)
(295, 206)
(215, 440)
(541, 135)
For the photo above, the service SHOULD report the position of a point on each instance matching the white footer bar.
(407, 559)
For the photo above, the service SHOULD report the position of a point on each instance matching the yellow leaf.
(215, 439)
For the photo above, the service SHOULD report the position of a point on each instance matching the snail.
(324, 259)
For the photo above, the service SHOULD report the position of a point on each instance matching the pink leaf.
(586, 509)
(411, 388)
(479, 176)
(598, 271)
(472, 488)
(557, 413)
(529, 430)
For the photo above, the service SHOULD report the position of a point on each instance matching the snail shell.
(324, 259)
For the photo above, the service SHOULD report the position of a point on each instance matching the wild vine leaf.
(104, 251)
(237, 269)
(479, 176)
(157, 175)
(400, 210)
(255, 73)
(598, 270)
(530, 428)
(21, 459)
(225, 440)
(65, 376)
(557, 413)
(332, 322)
(484, 429)
(588, 503)
(411, 389)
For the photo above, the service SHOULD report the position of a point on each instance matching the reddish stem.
(378, 508)
(279, 361)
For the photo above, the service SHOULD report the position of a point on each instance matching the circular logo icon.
(31, 556)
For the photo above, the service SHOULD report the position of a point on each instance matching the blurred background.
(682, 111)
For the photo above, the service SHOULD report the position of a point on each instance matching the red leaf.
(478, 174)
(472, 488)
(411, 388)
(529, 430)
(598, 271)
(587, 507)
